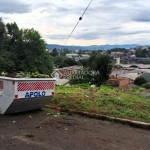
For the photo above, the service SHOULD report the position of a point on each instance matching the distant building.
(76, 51)
(132, 56)
(85, 56)
(119, 76)
(133, 76)
(123, 80)
(140, 66)
(66, 72)
(146, 76)
(118, 61)
(119, 81)
(117, 54)
(78, 57)
(132, 51)
(73, 55)
(143, 47)
(49, 50)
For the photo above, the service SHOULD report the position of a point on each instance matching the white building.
(78, 57)
(85, 56)
(72, 55)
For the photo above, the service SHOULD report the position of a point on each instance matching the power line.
(77, 23)
(71, 32)
(85, 9)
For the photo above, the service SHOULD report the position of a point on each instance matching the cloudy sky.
(105, 22)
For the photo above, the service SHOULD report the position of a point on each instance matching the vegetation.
(122, 103)
(101, 64)
(23, 50)
(54, 52)
(139, 81)
(81, 76)
(142, 53)
(123, 50)
(146, 85)
(84, 62)
(31, 75)
(96, 72)
(140, 61)
(62, 61)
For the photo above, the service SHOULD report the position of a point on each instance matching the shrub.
(139, 81)
(146, 85)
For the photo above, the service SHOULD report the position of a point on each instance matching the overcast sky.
(105, 22)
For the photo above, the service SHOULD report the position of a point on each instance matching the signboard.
(29, 89)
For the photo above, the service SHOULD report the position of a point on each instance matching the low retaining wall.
(137, 124)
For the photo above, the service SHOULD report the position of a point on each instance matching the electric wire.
(77, 23)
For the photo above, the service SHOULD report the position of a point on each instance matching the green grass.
(122, 103)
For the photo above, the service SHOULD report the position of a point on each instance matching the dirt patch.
(21, 131)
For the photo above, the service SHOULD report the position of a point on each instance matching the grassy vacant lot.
(122, 103)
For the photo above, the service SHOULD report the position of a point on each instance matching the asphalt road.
(38, 131)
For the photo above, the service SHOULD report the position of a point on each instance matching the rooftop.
(135, 66)
(132, 76)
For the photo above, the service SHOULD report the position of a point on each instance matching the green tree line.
(23, 50)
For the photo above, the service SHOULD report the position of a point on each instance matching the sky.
(105, 21)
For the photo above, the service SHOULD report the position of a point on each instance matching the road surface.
(38, 131)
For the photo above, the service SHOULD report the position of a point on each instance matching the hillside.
(93, 47)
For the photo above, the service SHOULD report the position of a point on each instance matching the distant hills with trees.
(92, 47)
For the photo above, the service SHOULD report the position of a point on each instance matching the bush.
(146, 85)
(139, 81)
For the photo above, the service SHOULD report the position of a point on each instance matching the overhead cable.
(80, 18)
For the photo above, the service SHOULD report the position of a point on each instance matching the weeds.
(122, 103)
(57, 114)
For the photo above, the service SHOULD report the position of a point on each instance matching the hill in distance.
(92, 47)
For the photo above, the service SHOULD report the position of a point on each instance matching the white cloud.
(12, 6)
(105, 22)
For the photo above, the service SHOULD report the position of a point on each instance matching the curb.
(137, 124)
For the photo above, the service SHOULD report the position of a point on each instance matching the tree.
(3, 36)
(7, 62)
(142, 53)
(64, 52)
(70, 62)
(84, 62)
(46, 63)
(54, 52)
(6, 58)
(2, 30)
(62, 61)
(26, 51)
(29, 51)
(97, 71)
(80, 77)
(59, 61)
(102, 65)
(123, 50)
